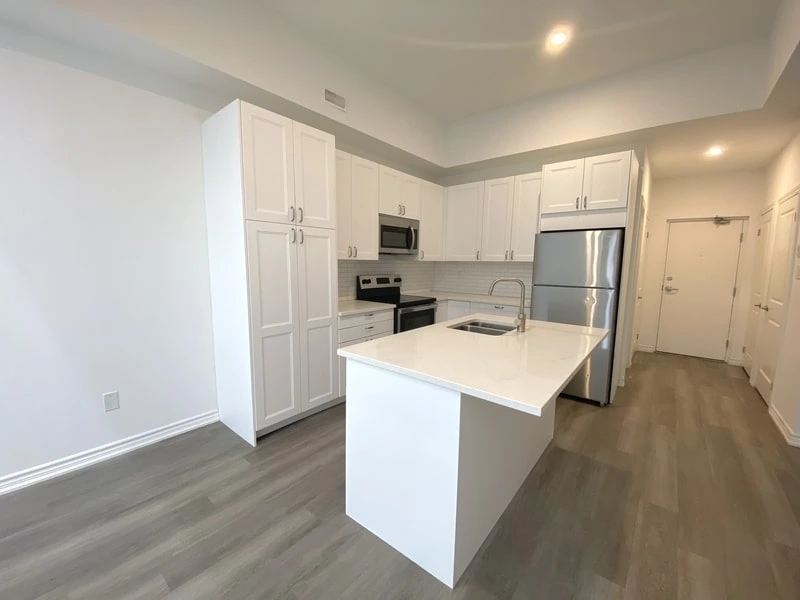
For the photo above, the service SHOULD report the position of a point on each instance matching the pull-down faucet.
(520, 320)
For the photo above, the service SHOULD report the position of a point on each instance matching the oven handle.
(410, 309)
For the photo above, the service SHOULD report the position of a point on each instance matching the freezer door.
(578, 258)
(589, 307)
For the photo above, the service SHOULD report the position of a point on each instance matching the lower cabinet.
(507, 310)
(363, 327)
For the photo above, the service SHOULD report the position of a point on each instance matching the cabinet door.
(562, 186)
(319, 335)
(506, 310)
(267, 165)
(606, 181)
(525, 218)
(314, 177)
(366, 190)
(344, 204)
(441, 311)
(391, 195)
(431, 224)
(274, 317)
(457, 309)
(463, 217)
(498, 201)
(410, 196)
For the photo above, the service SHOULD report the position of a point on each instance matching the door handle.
(765, 308)
(669, 288)
(757, 305)
(300, 210)
(291, 218)
(302, 236)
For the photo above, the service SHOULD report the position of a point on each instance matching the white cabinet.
(498, 203)
(431, 225)
(391, 182)
(411, 196)
(457, 309)
(506, 310)
(363, 327)
(288, 170)
(273, 284)
(357, 191)
(525, 221)
(594, 183)
(463, 220)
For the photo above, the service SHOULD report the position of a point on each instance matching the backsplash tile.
(416, 275)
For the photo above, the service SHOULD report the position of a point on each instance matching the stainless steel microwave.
(398, 235)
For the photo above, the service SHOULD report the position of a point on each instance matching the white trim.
(644, 348)
(792, 438)
(62, 466)
(736, 362)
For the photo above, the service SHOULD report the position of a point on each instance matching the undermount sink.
(484, 327)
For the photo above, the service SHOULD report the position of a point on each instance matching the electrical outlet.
(111, 401)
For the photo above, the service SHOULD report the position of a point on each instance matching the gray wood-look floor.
(682, 488)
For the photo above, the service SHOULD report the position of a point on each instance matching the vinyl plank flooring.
(682, 489)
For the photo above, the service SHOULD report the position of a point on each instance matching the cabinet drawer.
(494, 309)
(349, 334)
(375, 316)
(343, 361)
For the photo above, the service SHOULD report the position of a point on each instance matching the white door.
(391, 195)
(606, 180)
(314, 177)
(562, 186)
(344, 204)
(319, 335)
(267, 165)
(431, 224)
(365, 194)
(760, 279)
(410, 196)
(774, 303)
(698, 288)
(525, 218)
(498, 202)
(274, 311)
(463, 217)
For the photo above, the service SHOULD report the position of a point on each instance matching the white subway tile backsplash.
(416, 275)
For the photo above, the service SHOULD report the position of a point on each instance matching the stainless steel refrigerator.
(576, 278)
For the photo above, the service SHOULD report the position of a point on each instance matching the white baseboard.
(641, 348)
(736, 362)
(792, 438)
(56, 468)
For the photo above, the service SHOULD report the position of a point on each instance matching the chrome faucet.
(520, 320)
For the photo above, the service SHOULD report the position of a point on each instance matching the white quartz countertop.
(349, 306)
(504, 300)
(523, 371)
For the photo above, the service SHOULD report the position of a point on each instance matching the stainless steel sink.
(484, 327)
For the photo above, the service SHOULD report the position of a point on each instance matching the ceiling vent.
(336, 100)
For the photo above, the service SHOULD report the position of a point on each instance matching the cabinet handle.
(370, 327)
(577, 203)
(506, 254)
(422, 254)
(478, 255)
(349, 252)
(512, 255)
(302, 236)
(294, 235)
(399, 209)
(499, 307)
(355, 251)
(291, 218)
(404, 209)
(301, 214)
(585, 198)
(369, 314)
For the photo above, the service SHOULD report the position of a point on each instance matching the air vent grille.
(336, 100)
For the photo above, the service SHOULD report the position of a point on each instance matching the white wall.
(103, 263)
(784, 38)
(784, 177)
(735, 194)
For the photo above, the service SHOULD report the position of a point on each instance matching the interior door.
(319, 335)
(498, 202)
(464, 215)
(760, 279)
(606, 181)
(272, 279)
(562, 186)
(314, 177)
(431, 224)
(698, 287)
(365, 194)
(525, 217)
(774, 303)
(268, 165)
(344, 205)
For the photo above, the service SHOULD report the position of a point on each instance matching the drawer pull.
(370, 327)
(499, 307)
(369, 314)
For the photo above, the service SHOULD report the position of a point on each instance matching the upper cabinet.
(594, 183)
(288, 170)
(411, 196)
(357, 192)
(390, 191)
(431, 225)
(525, 220)
(498, 203)
(463, 220)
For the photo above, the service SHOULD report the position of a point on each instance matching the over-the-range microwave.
(398, 235)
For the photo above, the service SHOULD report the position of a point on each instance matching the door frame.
(737, 284)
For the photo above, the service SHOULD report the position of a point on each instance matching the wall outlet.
(111, 401)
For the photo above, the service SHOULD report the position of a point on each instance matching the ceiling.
(457, 58)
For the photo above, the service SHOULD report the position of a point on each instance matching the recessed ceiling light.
(715, 151)
(558, 39)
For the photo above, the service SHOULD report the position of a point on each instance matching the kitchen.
(220, 301)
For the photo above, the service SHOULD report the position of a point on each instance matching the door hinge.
(744, 349)
(759, 233)
(734, 292)
(741, 237)
(647, 235)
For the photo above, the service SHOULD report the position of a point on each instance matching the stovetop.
(386, 289)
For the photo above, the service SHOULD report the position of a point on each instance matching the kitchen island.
(443, 426)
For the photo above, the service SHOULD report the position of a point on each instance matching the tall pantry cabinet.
(271, 218)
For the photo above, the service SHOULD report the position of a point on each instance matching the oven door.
(414, 317)
(398, 236)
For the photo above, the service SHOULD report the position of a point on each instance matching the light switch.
(110, 401)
